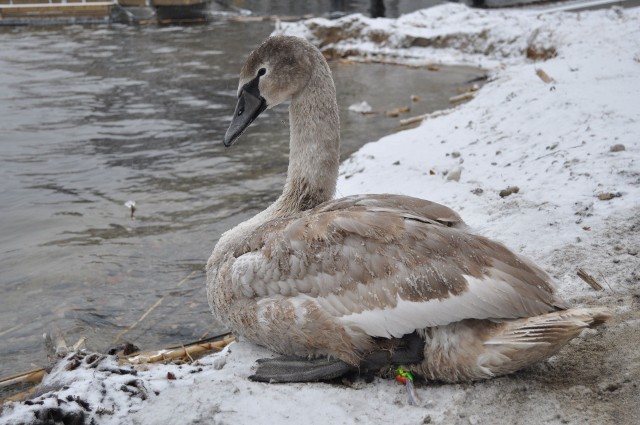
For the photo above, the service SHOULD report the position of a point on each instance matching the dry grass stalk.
(419, 118)
(464, 96)
(590, 280)
(33, 376)
(544, 76)
(79, 344)
(397, 111)
(468, 89)
(178, 353)
(146, 313)
(20, 396)
(6, 331)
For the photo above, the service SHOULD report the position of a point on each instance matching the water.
(94, 116)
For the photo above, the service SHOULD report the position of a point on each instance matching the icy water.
(94, 116)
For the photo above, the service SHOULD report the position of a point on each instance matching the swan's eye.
(261, 72)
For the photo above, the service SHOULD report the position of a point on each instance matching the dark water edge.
(94, 116)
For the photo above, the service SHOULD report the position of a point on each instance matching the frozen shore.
(572, 147)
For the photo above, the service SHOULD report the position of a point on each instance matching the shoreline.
(551, 139)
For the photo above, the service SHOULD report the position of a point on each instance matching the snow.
(551, 140)
(362, 107)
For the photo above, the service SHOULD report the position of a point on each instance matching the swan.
(368, 281)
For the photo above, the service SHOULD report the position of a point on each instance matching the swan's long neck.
(314, 158)
(314, 151)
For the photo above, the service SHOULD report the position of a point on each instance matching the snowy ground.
(551, 140)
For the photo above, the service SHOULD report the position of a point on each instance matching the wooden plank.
(20, 2)
(46, 3)
(132, 3)
(165, 3)
(69, 10)
(43, 3)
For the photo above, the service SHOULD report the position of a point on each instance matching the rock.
(219, 362)
(477, 191)
(579, 391)
(618, 147)
(454, 174)
(508, 191)
(609, 387)
(607, 196)
(455, 154)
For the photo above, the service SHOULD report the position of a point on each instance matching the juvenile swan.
(369, 281)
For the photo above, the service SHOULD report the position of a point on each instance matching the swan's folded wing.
(387, 272)
(397, 204)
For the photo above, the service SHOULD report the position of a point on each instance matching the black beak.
(250, 105)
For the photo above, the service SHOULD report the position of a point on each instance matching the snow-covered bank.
(455, 34)
(552, 140)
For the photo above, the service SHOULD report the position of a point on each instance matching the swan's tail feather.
(551, 327)
(522, 342)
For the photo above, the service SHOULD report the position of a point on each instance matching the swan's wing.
(398, 204)
(388, 272)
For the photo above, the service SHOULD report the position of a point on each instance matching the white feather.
(485, 298)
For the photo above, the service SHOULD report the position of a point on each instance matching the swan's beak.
(250, 105)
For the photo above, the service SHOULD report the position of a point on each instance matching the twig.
(6, 331)
(397, 111)
(188, 355)
(20, 396)
(31, 376)
(463, 96)
(418, 118)
(544, 76)
(610, 288)
(55, 343)
(590, 280)
(160, 355)
(78, 344)
(146, 313)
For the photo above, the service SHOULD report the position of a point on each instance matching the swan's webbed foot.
(407, 350)
(299, 369)
(410, 351)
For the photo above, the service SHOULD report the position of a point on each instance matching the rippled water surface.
(94, 116)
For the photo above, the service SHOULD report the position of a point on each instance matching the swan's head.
(276, 71)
